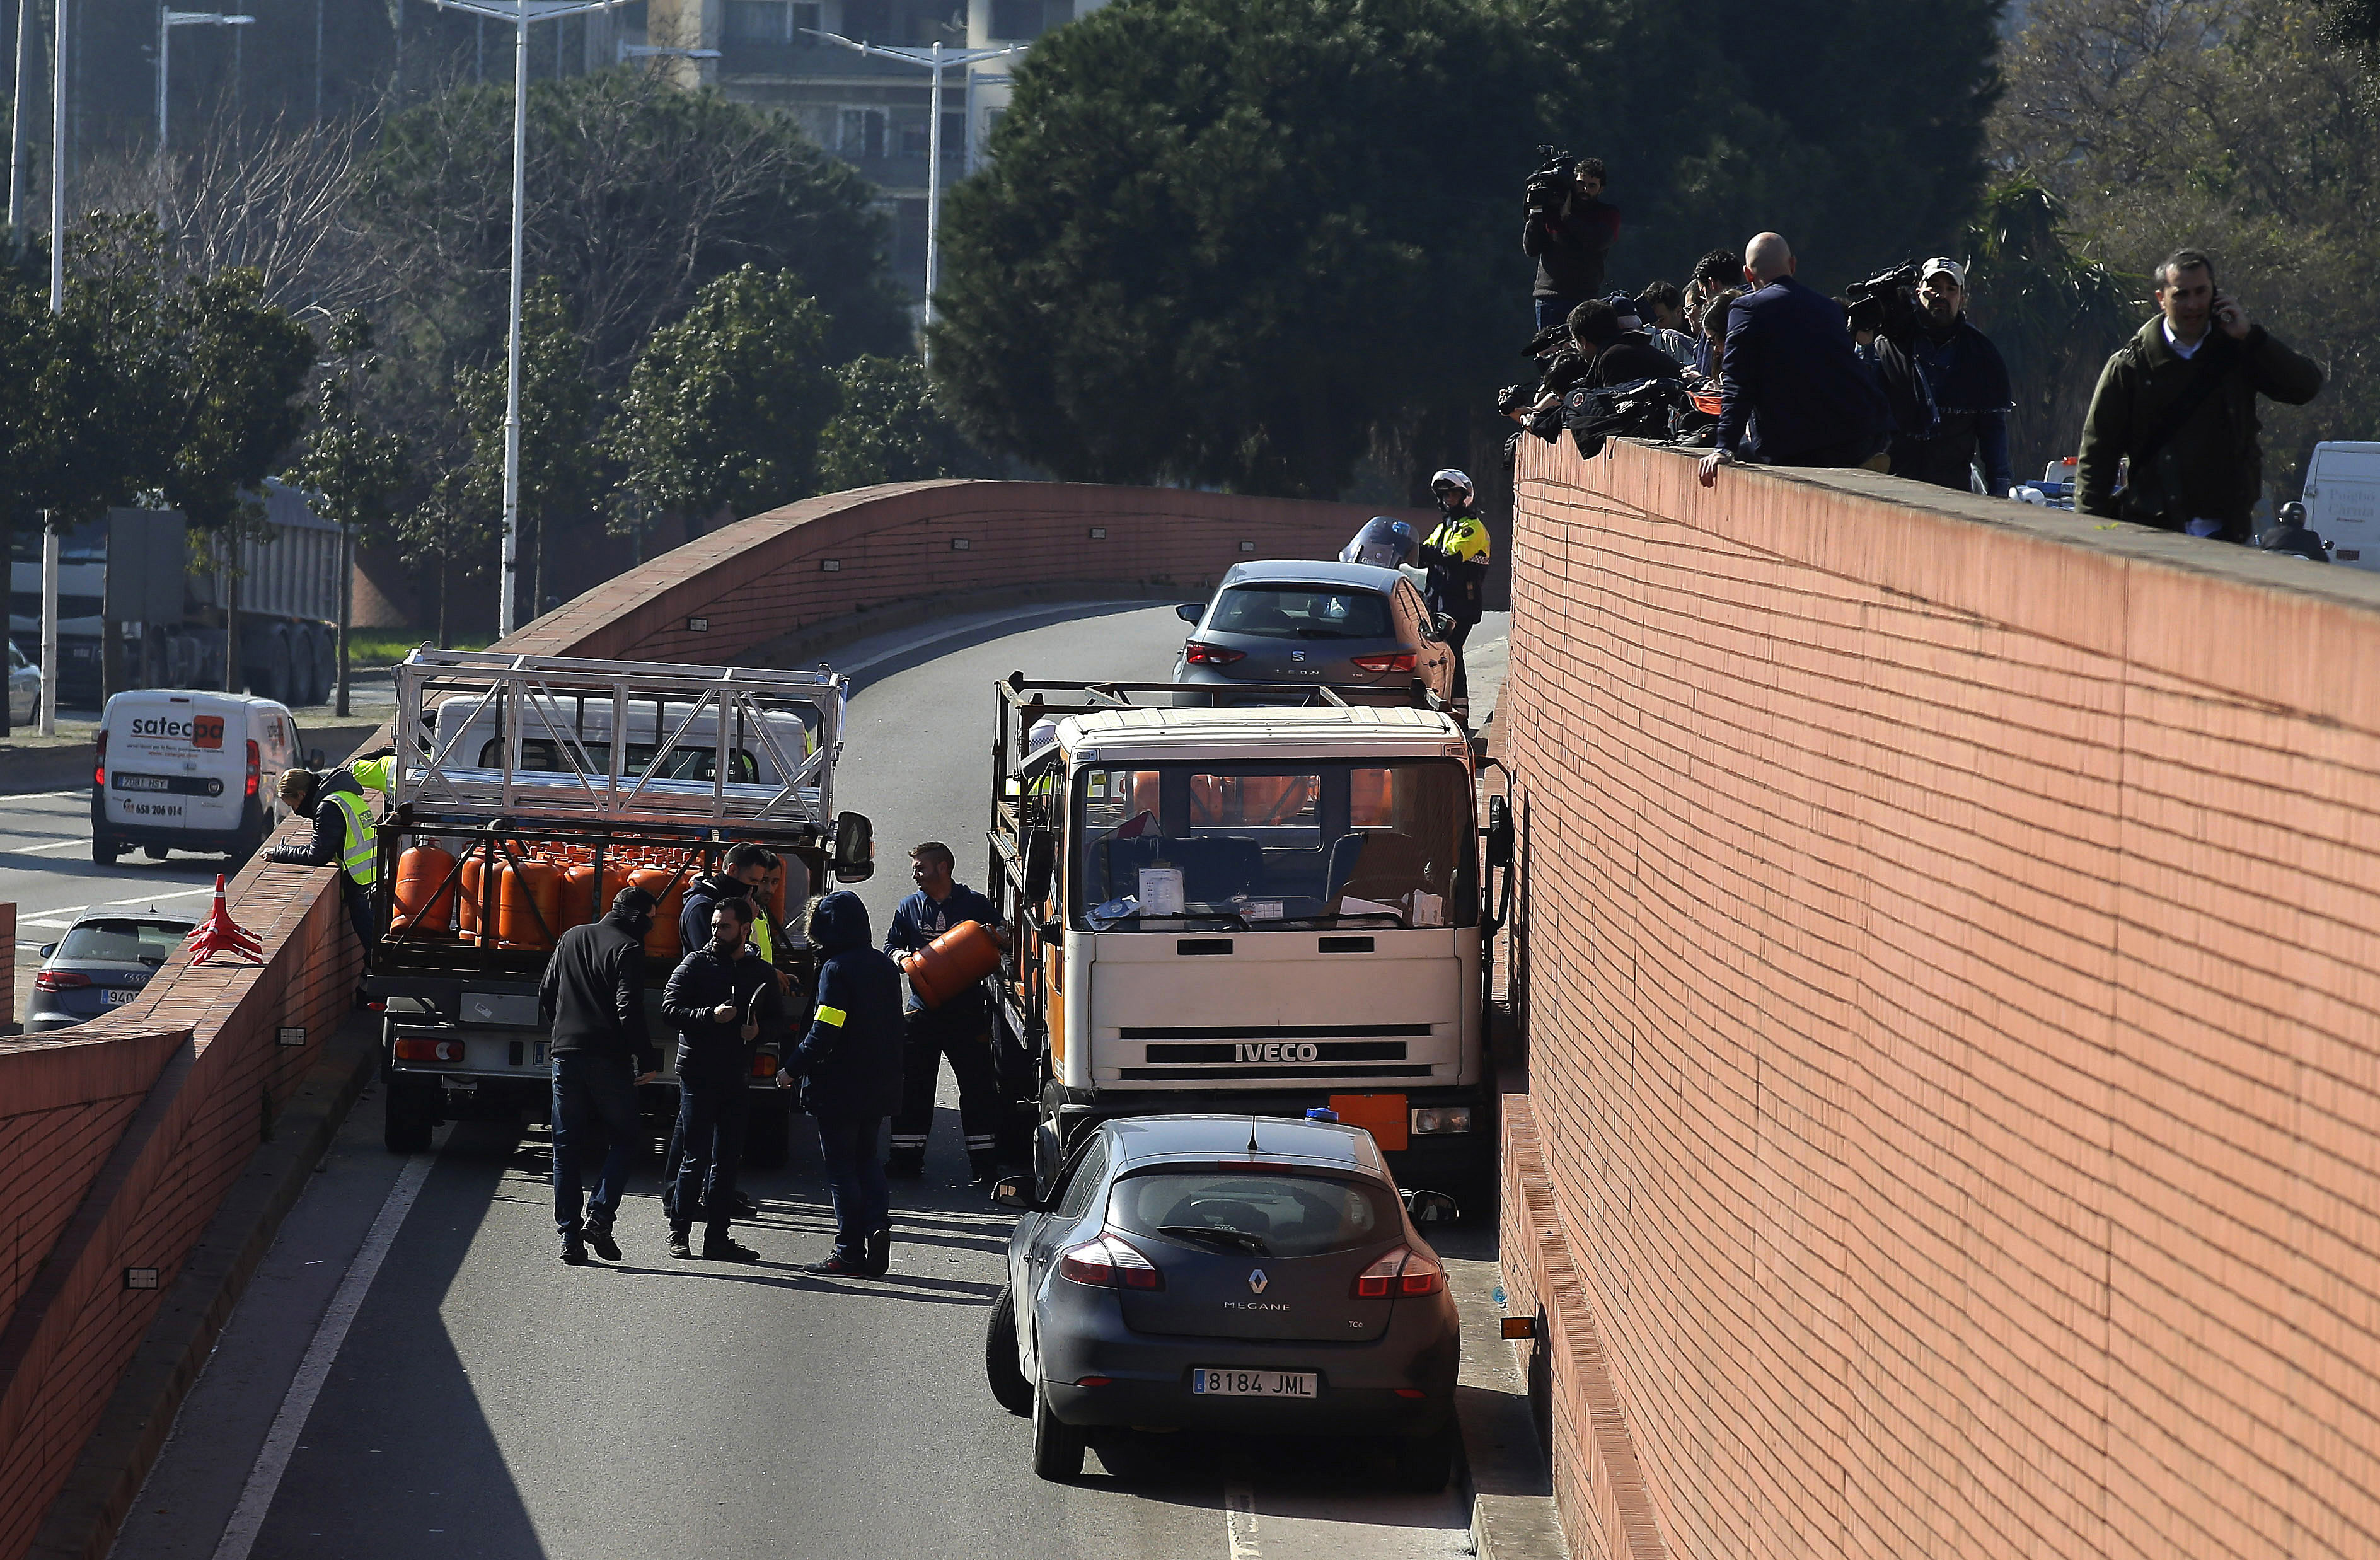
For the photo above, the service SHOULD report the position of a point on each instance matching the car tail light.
(252, 771)
(1402, 660)
(1404, 1273)
(428, 1050)
(60, 980)
(765, 1064)
(1112, 1262)
(1199, 654)
(99, 768)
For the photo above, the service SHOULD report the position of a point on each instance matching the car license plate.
(141, 783)
(118, 996)
(1208, 1383)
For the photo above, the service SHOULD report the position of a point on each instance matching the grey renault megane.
(1240, 1273)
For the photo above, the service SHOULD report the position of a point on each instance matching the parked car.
(24, 688)
(187, 770)
(1231, 1274)
(103, 961)
(1344, 626)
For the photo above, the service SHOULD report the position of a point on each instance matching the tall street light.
(521, 14)
(51, 680)
(167, 20)
(935, 59)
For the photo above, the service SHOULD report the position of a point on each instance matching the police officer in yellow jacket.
(345, 834)
(1454, 558)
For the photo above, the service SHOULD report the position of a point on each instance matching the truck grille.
(1211, 1073)
(1283, 1051)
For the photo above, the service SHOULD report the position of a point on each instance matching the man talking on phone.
(2178, 401)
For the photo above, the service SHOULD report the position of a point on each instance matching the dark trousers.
(854, 1179)
(711, 1114)
(358, 904)
(1456, 638)
(594, 1111)
(965, 1038)
(1555, 310)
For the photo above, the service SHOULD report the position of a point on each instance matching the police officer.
(345, 834)
(849, 1064)
(959, 1029)
(722, 998)
(1455, 556)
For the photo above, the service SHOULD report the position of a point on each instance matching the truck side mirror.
(1190, 612)
(1041, 864)
(1500, 833)
(314, 758)
(1440, 626)
(855, 847)
(1432, 1208)
(1016, 1191)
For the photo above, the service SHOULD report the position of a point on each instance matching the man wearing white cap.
(1948, 389)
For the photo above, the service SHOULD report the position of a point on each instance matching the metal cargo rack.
(585, 710)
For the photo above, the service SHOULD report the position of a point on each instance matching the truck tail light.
(1402, 660)
(1112, 1262)
(1403, 1273)
(1199, 654)
(428, 1050)
(60, 980)
(99, 766)
(252, 771)
(765, 1064)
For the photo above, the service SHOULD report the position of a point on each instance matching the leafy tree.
(890, 428)
(557, 457)
(242, 365)
(723, 408)
(446, 536)
(354, 471)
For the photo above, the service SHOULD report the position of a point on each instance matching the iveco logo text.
(1277, 1051)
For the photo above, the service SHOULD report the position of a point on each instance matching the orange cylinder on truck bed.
(531, 890)
(474, 894)
(662, 941)
(578, 898)
(425, 899)
(952, 963)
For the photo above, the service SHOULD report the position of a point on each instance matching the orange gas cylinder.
(952, 963)
(531, 890)
(424, 898)
(468, 902)
(660, 942)
(578, 903)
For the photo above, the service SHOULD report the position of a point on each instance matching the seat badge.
(1257, 1282)
(1298, 655)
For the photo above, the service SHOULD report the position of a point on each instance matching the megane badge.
(1257, 1282)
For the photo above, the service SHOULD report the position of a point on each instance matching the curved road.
(471, 1395)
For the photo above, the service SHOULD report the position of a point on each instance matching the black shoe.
(838, 1266)
(574, 1252)
(728, 1251)
(877, 1259)
(678, 1244)
(904, 1169)
(744, 1206)
(599, 1238)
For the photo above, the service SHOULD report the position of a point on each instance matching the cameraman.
(1568, 229)
(1948, 388)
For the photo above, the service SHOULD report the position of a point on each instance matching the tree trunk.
(537, 576)
(442, 601)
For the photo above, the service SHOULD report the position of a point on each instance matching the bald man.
(1791, 389)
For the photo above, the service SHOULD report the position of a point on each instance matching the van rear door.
(2342, 500)
(175, 761)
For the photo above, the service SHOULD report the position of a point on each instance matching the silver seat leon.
(1351, 627)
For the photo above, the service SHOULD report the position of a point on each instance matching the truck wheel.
(1057, 1447)
(1008, 1387)
(105, 851)
(768, 1138)
(408, 1113)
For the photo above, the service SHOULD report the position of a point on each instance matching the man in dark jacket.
(2180, 401)
(345, 835)
(1792, 391)
(1618, 353)
(741, 870)
(1569, 238)
(1947, 389)
(959, 1029)
(593, 998)
(722, 998)
(849, 1063)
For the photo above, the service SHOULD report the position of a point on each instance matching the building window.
(863, 133)
(1028, 19)
(869, 21)
(806, 27)
(759, 21)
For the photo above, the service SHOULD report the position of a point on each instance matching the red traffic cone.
(217, 934)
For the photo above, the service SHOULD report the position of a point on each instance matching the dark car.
(103, 961)
(1243, 1274)
(1344, 626)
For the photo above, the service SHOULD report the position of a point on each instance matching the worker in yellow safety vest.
(345, 834)
(1455, 557)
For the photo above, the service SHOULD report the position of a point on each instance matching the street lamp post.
(168, 19)
(521, 14)
(936, 59)
(50, 678)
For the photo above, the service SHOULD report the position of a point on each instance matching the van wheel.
(1057, 1446)
(1008, 1387)
(105, 851)
(767, 1138)
(408, 1113)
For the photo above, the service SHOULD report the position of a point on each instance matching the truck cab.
(1263, 908)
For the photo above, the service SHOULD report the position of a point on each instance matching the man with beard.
(1948, 389)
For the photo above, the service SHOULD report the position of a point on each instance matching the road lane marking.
(297, 1406)
(943, 635)
(75, 844)
(1239, 1522)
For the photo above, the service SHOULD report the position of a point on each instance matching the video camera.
(1556, 177)
(1885, 304)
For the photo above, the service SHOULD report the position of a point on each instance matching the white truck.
(1247, 908)
(526, 791)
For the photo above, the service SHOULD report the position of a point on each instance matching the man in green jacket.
(2180, 401)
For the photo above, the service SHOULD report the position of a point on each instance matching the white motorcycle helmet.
(1450, 477)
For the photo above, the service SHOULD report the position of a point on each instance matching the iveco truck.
(1268, 909)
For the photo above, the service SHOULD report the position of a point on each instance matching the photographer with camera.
(1568, 229)
(1792, 390)
(1943, 379)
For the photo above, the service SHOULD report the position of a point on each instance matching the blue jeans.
(712, 1115)
(594, 1103)
(855, 1179)
(1555, 310)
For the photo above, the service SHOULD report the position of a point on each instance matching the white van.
(187, 770)
(2342, 500)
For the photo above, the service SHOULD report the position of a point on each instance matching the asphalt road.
(413, 1373)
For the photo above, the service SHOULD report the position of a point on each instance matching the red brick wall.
(1950, 944)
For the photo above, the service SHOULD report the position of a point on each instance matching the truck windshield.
(1274, 846)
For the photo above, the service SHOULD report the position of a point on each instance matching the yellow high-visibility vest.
(361, 856)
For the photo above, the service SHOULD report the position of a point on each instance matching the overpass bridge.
(1945, 951)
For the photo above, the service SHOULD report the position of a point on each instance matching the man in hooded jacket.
(850, 1067)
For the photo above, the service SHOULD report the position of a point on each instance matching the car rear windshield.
(1302, 612)
(1290, 1214)
(123, 942)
